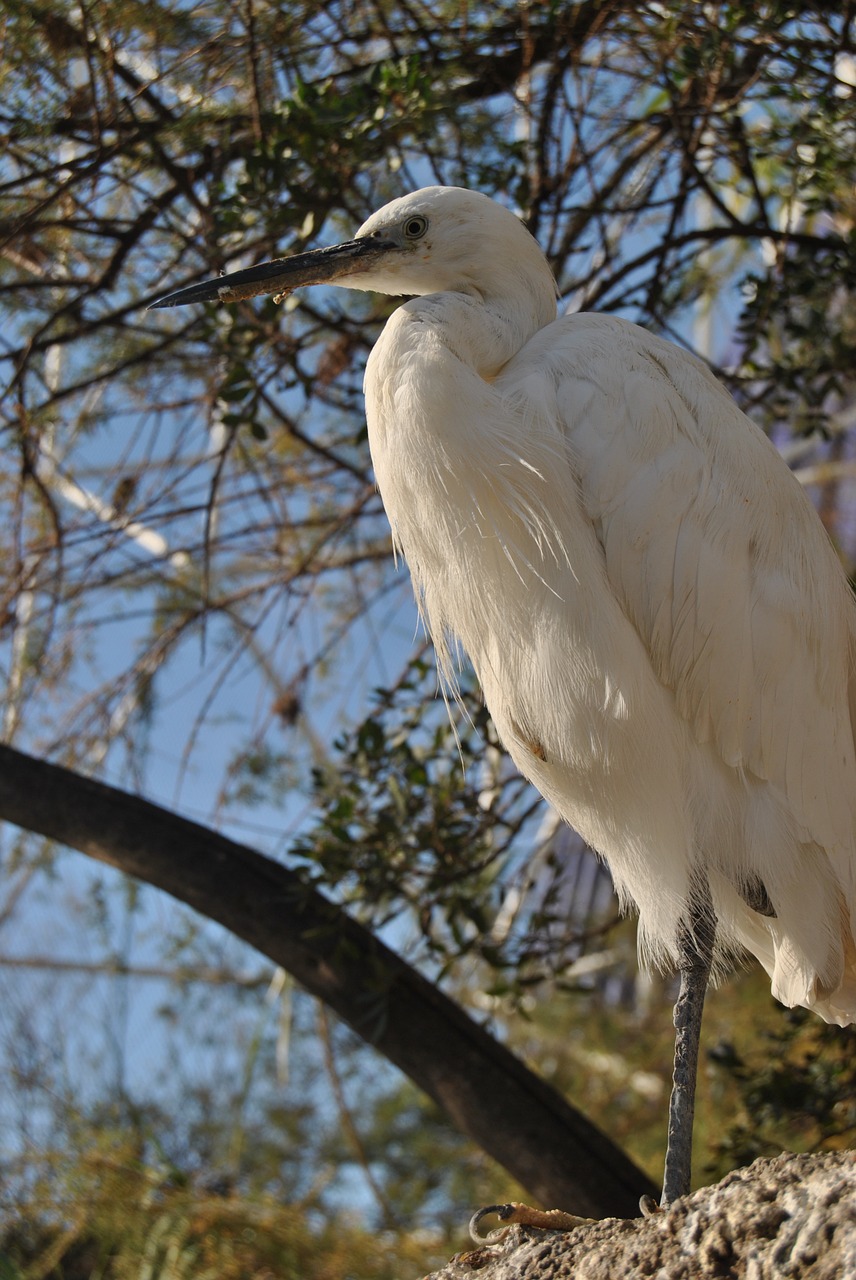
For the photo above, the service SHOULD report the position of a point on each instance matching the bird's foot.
(525, 1216)
(648, 1206)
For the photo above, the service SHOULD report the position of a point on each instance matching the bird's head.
(431, 241)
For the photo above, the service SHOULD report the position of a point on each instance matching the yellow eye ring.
(415, 226)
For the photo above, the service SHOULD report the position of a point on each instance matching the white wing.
(717, 558)
(720, 562)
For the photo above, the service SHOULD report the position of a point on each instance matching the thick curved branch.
(489, 1095)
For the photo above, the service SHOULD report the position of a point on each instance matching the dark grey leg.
(696, 952)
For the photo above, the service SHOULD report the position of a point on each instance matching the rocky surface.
(791, 1218)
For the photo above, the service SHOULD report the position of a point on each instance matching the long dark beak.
(318, 266)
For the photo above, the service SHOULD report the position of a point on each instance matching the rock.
(791, 1218)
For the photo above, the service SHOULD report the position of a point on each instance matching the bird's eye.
(415, 227)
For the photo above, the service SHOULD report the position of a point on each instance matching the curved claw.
(502, 1211)
(525, 1216)
(648, 1206)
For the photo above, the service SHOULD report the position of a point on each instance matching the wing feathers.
(719, 561)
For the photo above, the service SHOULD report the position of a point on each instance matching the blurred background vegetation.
(198, 601)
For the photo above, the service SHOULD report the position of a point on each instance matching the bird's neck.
(464, 479)
(439, 429)
(482, 332)
(428, 380)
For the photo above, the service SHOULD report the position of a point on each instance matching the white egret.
(661, 628)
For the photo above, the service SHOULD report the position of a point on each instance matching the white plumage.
(662, 630)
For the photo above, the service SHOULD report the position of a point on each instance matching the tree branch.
(489, 1095)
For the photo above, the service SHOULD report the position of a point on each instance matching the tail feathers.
(793, 986)
(824, 982)
(839, 1004)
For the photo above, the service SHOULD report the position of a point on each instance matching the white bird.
(661, 628)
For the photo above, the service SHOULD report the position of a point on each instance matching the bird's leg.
(696, 953)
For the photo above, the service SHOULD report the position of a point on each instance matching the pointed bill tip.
(268, 277)
(283, 275)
